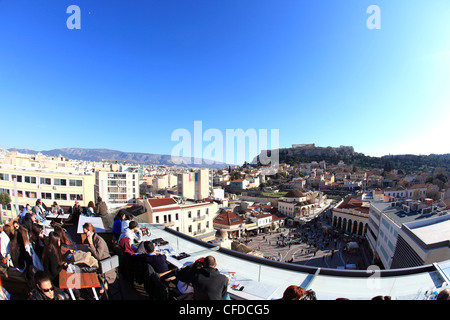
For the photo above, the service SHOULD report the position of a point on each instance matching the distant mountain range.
(129, 157)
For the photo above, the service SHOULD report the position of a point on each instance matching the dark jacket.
(39, 295)
(158, 262)
(208, 283)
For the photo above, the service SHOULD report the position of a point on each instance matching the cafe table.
(79, 280)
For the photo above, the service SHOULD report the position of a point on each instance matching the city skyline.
(132, 75)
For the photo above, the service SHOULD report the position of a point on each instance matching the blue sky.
(138, 70)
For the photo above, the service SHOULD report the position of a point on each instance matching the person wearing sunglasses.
(44, 289)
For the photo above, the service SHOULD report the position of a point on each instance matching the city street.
(319, 246)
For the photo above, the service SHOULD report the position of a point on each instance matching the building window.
(189, 214)
(60, 196)
(46, 195)
(75, 183)
(30, 179)
(4, 176)
(60, 182)
(176, 216)
(19, 178)
(74, 197)
(30, 194)
(157, 219)
(47, 181)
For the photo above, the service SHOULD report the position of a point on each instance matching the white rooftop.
(265, 279)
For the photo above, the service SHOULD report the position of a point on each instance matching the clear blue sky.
(138, 70)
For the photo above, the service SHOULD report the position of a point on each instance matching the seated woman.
(90, 210)
(53, 259)
(99, 249)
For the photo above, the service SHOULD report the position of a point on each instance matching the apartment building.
(195, 185)
(117, 188)
(194, 218)
(407, 233)
(27, 184)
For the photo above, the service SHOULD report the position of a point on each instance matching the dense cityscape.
(314, 214)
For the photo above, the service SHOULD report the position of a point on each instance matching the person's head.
(44, 285)
(444, 294)
(99, 199)
(210, 262)
(380, 297)
(149, 246)
(198, 264)
(37, 231)
(62, 235)
(88, 229)
(120, 216)
(54, 239)
(53, 245)
(7, 229)
(133, 225)
(33, 216)
(38, 202)
(77, 203)
(16, 225)
(28, 208)
(294, 293)
(91, 204)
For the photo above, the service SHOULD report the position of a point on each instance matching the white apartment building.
(194, 218)
(117, 188)
(393, 233)
(25, 185)
(195, 185)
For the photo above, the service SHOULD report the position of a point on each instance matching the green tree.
(5, 199)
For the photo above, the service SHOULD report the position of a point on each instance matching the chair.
(108, 264)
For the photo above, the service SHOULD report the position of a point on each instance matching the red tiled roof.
(158, 202)
(228, 218)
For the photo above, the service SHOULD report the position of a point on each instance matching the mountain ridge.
(142, 158)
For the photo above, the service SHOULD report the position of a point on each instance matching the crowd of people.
(27, 252)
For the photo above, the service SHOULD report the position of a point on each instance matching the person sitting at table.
(37, 238)
(5, 245)
(26, 209)
(53, 259)
(90, 209)
(186, 288)
(99, 249)
(39, 210)
(133, 233)
(117, 225)
(156, 260)
(77, 210)
(29, 220)
(127, 264)
(208, 282)
(65, 240)
(21, 251)
(56, 209)
(45, 290)
(101, 209)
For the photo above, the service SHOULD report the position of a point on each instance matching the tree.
(5, 199)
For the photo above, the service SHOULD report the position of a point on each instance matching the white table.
(97, 222)
(58, 216)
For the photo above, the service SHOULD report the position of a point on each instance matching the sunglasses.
(48, 290)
